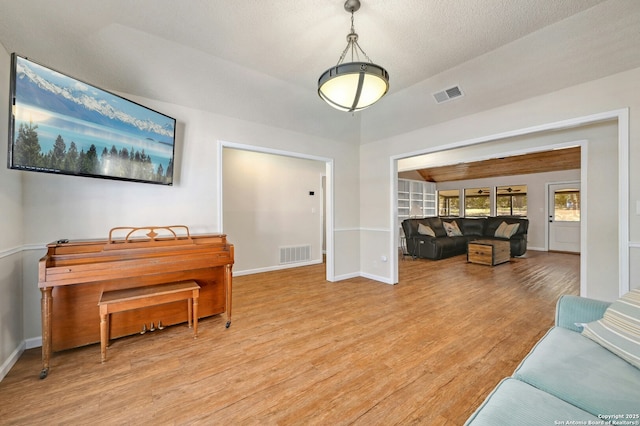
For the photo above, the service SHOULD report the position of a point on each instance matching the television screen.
(62, 125)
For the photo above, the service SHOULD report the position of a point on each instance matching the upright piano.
(73, 275)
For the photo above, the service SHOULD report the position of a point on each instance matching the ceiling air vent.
(448, 94)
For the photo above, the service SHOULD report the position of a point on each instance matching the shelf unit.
(416, 198)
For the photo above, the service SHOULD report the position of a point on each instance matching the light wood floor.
(304, 351)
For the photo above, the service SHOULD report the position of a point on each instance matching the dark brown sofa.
(441, 245)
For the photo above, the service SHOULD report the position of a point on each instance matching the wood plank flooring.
(303, 351)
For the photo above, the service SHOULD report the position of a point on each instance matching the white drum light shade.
(353, 86)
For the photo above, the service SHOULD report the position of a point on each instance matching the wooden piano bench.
(141, 297)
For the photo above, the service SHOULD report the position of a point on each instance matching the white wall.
(608, 94)
(11, 306)
(71, 207)
(536, 196)
(267, 206)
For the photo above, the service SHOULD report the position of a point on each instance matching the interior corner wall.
(267, 204)
(11, 225)
(607, 94)
(347, 232)
(375, 212)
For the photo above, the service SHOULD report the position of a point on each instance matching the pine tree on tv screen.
(62, 125)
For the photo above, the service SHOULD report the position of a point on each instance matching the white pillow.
(619, 329)
(452, 229)
(425, 230)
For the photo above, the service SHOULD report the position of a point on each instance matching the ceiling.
(260, 61)
(538, 162)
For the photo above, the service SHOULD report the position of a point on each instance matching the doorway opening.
(269, 198)
(616, 263)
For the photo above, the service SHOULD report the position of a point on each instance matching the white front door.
(564, 217)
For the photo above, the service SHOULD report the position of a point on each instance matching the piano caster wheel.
(153, 327)
(144, 329)
(160, 326)
(44, 373)
(228, 324)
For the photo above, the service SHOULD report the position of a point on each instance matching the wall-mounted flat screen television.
(59, 124)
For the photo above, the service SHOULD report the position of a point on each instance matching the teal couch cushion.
(573, 368)
(516, 403)
(572, 311)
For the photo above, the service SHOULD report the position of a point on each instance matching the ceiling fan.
(482, 191)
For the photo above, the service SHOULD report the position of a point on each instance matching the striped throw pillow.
(619, 329)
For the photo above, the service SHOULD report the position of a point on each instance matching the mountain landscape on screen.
(66, 126)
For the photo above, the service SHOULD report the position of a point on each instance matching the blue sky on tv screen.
(86, 115)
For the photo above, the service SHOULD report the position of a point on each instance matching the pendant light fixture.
(355, 85)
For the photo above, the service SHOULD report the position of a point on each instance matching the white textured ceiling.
(260, 60)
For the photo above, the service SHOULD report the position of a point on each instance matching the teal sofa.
(568, 378)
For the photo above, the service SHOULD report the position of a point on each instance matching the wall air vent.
(448, 94)
(295, 254)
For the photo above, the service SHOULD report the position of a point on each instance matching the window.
(476, 202)
(449, 203)
(511, 200)
(567, 206)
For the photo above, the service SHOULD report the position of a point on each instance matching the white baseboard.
(6, 366)
(34, 342)
(346, 276)
(10, 362)
(314, 262)
(275, 268)
(377, 278)
(384, 280)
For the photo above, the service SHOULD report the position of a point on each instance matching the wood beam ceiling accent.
(538, 162)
